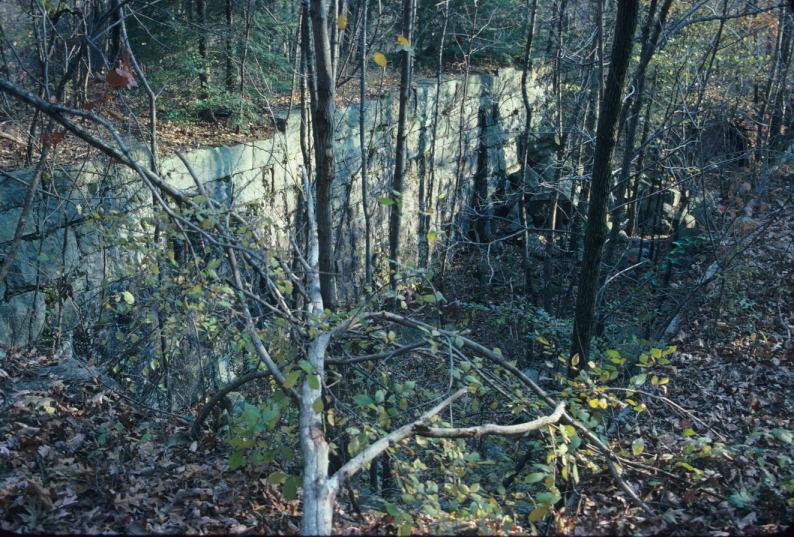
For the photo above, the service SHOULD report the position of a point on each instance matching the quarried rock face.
(79, 242)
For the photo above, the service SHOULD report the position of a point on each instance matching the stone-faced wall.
(67, 260)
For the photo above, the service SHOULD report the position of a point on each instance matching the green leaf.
(405, 529)
(277, 478)
(386, 201)
(782, 434)
(547, 498)
(392, 510)
(128, 297)
(306, 366)
(236, 460)
(534, 477)
(740, 499)
(638, 446)
(362, 399)
(314, 382)
(317, 406)
(292, 379)
(290, 488)
(250, 415)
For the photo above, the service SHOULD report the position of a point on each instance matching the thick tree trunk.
(625, 24)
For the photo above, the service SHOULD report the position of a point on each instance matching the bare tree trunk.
(650, 36)
(591, 118)
(395, 212)
(201, 16)
(551, 219)
(318, 501)
(526, 69)
(362, 136)
(424, 219)
(460, 157)
(625, 23)
(776, 119)
(228, 49)
(323, 128)
(115, 31)
(248, 16)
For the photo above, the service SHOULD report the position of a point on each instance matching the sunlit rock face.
(82, 240)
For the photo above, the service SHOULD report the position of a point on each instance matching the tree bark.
(362, 140)
(228, 51)
(424, 217)
(201, 16)
(625, 24)
(526, 69)
(325, 162)
(395, 212)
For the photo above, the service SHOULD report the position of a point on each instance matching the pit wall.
(77, 243)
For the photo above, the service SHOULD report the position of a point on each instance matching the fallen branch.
(12, 138)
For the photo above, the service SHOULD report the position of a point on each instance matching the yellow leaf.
(574, 360)
(341, 22)
(538, 514)
(402, 40)
(380, 59)
(431, 236)
(597, 403)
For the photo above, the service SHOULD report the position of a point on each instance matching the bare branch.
(356, 463)
(492, 428)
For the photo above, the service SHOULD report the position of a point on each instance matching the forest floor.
(84, 458)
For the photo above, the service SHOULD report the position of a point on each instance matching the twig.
(12, 138)
(675, 406)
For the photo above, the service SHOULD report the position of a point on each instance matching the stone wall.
(68, 260)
